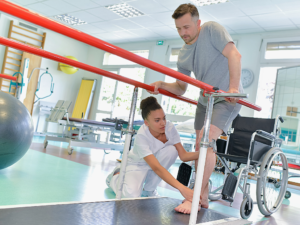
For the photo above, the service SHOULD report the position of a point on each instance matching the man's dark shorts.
(223, 115)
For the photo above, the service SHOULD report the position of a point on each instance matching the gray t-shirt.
(206, 60)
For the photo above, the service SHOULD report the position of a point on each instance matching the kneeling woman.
(156, 147)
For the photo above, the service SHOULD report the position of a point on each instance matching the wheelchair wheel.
(287, 194)
(45, 144)
(272, 181)
(245, 210)
(276, 184)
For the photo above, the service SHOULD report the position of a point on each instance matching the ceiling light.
(72, 20)
(124, 10)
(207, 2)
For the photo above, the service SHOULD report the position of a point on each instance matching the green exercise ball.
(16, 130)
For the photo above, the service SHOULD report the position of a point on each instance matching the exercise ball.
(16, 130)
(68, 69)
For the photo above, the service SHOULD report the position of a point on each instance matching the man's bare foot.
(204, 203)
(185, 207)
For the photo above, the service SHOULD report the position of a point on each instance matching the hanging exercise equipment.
(39, 83)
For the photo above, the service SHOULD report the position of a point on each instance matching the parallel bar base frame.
(158, 211)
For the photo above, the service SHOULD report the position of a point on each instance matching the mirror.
(287, 104)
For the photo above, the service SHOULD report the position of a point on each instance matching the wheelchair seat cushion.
(258, 152)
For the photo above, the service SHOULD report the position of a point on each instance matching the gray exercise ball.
(16, 130)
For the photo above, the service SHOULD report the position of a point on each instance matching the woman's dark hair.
(184, 9)
(147, 105)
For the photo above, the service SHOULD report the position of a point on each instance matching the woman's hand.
(168, 178)
(187, 193)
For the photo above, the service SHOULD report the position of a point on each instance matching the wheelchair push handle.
(281, 119)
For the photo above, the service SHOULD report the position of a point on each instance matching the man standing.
(209, 52)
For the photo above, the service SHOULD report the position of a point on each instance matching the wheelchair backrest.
(244, 127)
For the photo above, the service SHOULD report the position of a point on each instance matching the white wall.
(95, 57)
(66, 86)
(248, 45)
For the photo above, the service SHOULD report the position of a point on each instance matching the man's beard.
(190, 40)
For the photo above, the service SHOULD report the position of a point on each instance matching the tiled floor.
(51, 175)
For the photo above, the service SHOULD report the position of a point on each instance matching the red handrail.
(8, 77)
(25, 14)
(36, 51)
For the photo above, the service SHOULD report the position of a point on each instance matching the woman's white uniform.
(138, 171)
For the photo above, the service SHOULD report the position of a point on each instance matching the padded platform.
(158, 211)
(187, 135)
(91, 122)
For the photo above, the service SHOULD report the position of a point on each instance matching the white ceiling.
(237, 16)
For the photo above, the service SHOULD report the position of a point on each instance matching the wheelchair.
(253, 145)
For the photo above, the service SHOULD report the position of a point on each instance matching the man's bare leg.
(214, 133)
(209, 168)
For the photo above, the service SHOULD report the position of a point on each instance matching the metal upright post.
(129, 132)
(201, 161)
(205, 144)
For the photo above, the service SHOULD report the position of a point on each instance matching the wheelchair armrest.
(278, 142)
(265, 134)
(276, 126)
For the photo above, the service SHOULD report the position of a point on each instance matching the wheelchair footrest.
(184, 174)
(220, 169)
(229, 187)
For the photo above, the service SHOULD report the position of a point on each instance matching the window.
(111, 59)
(107, 92)
(178, 107)
(124, 92)
(174, 54)
(174, 106)
(265, 91)
(115, 96)
(283, 50)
